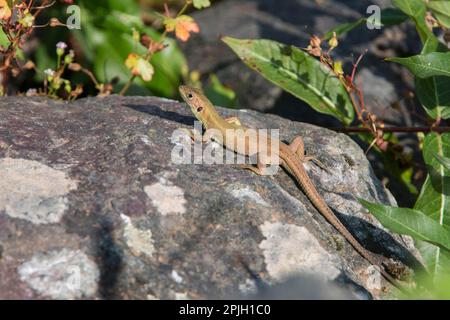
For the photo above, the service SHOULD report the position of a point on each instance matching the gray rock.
(91, 206)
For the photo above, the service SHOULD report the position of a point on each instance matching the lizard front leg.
(233, 120)
(196, 137)
(261, 166)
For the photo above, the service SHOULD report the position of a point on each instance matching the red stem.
(394, 129)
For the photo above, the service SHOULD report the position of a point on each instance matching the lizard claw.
(317, 162)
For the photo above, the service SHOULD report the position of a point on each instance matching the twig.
(161, 39)
(356, 64)
(127, 85)
(393, 129)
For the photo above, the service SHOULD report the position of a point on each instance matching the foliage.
(427, 65)
(124, 53)
(432, 208)
(220, 94)
(298, 73)
(313, 75)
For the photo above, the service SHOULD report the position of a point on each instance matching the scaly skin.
(291, 157)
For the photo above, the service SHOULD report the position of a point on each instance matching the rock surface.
(91, 206)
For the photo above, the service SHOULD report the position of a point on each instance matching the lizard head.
(195, 99)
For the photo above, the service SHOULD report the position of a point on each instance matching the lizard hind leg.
(252, 168)
(260, 168)
(298, 147)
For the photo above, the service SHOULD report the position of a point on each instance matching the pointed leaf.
(416, 10)
(389, 17)
(443, 160)
(434, 95)
(437, 260)
(434, 198)
(392, 16)
(410, 222)
(219, 94)
(427, 65)
(433, 92)
(441, 10)
(413, 8)
(344, 28)
(298, 73)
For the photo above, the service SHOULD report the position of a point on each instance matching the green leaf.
(441, 289)
(410, 222)
(392, 16)
(416, 10)
(298, 73)
(427, 65)
(344, 28)
(201, 4)
(413, 8)
(437, 260)
(443, 160)
(108, 41)
(389, 17)
(433, 92)
(219, 94)
(434, 95)
(3, 39)
(434, 198)
(441, 10)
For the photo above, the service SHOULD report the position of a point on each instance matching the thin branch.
(356, 64)
(161, 39)
(393, 129)
(127, 85)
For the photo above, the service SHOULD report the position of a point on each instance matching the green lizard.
(291, 158)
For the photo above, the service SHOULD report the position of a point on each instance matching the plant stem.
(393, 129)
(127, 85)
(186, 5)
(149, 56)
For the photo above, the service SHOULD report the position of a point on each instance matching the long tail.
(295, 167)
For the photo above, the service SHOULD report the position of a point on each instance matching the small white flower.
(61, 45)
(49, 72)
(31, 92)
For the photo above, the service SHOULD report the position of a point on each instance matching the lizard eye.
(199, 109)
(190, 96)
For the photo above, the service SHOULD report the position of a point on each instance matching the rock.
(92, 207)
(306, 287)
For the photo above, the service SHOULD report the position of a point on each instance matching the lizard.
(291, 158)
